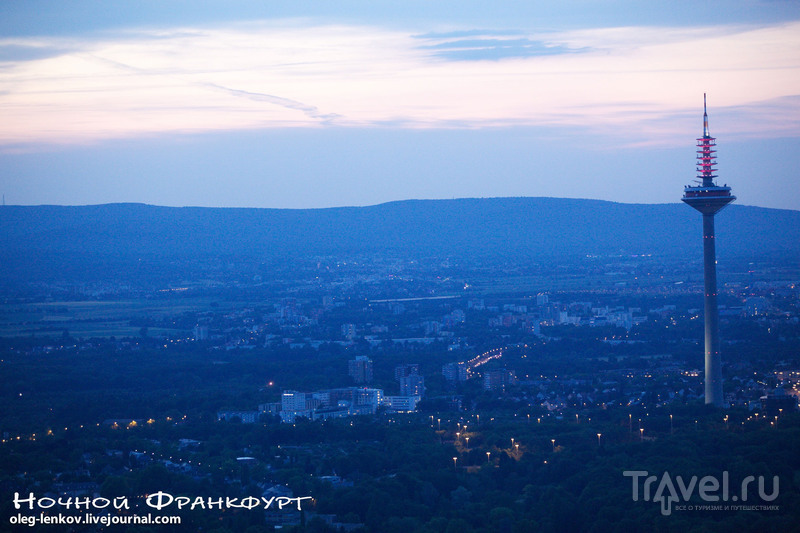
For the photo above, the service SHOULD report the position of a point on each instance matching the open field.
(101, 318)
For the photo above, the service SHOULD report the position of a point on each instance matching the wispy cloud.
(475, 49)
(27, 51)
(639, 81)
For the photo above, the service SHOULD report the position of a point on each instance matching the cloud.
(477, 49)
(638, 83)
(466, 33)
(11, 52)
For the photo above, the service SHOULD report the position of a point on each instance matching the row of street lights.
(515, 445)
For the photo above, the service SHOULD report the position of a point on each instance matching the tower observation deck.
(708, 198)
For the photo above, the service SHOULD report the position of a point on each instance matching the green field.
(101, 319)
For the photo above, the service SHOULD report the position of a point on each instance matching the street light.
(467, 438)
(598, 438)
(641, 434)
(488, 455)
(554, 444)
(670, 424)
(455, 460)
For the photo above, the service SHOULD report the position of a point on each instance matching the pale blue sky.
(321, 104)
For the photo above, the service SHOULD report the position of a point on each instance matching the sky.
(310, 104)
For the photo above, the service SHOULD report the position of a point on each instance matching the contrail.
(308, 110)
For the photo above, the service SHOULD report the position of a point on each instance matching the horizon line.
(454, 199)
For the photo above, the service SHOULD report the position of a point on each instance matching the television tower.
(708, 198)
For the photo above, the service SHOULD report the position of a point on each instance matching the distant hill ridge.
(532, 226)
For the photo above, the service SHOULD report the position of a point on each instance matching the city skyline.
(315, 106)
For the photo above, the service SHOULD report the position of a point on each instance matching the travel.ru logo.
(708, 488)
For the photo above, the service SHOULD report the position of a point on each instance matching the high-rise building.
(708, 198)
(402, 371)
(360, 369)
(292, 400)
(412, 385)
(455, 371)
(295, 404)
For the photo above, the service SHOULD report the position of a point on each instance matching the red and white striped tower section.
(709, 198)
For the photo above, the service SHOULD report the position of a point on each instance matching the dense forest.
(402, 477)
(504, 465)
